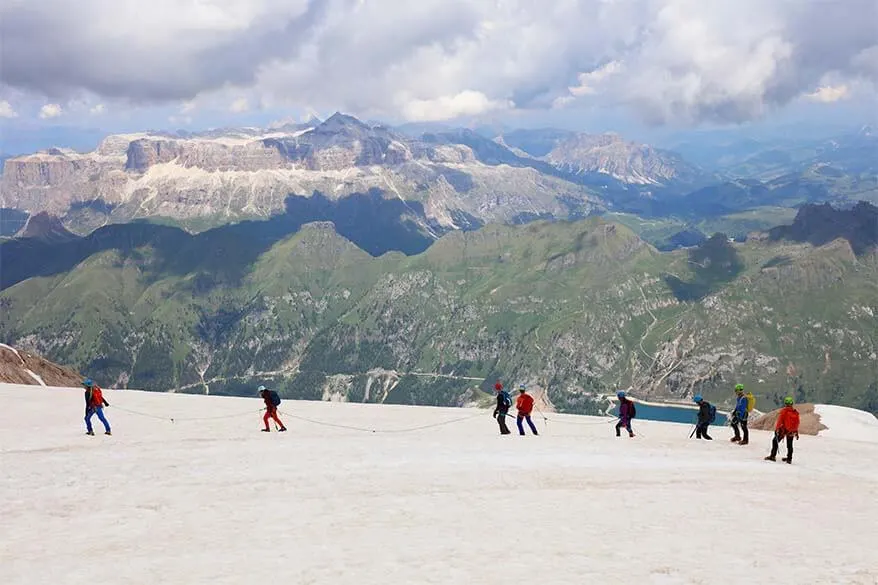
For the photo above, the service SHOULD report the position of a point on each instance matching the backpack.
(507, 400)
(632, 410)
(275, 399)
(712, 417)
(751, 402)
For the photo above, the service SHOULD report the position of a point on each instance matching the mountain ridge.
(575, 307)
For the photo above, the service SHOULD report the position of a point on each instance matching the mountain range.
(347, 260)
(432, 179)
(576, 308)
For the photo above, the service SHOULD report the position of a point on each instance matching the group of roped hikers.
(786, 428)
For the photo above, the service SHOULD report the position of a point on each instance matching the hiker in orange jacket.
(787, 427)
(525, 406)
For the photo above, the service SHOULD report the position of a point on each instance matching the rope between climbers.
(187, 419)
(387, 431)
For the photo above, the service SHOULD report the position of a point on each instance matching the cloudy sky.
(201, 63)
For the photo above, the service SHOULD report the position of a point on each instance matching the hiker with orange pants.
(272, 401)
(786, 427)
(525, 406)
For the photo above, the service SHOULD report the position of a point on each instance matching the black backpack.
(275, 399)
(632, 410)
(712, 417)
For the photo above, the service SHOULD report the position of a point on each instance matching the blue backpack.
(712, 416)
(507, 400)
(275, 399)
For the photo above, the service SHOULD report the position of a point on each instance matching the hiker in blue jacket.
(739, 417)
(704, 418)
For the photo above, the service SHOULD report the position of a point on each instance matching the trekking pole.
(693, 431)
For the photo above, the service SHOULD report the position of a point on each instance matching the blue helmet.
(88, 383)
(698, 398)
(620, 394)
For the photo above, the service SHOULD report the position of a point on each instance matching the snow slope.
(847, 423)
(216, 501)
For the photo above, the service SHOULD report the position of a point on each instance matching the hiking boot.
(787, 460)
(631, 435)
(744, 443)
(266, 430)
(735, 439)
(770, 458)
(108, 433)
(90, 433)
(618, 434)
(282, 429)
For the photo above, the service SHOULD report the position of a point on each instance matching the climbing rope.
(301, 418)
(187, 419)
(373, 430)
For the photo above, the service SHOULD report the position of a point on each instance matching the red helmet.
(498, 386)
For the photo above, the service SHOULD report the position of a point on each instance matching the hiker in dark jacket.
(271, 401)
(703, 418)
(626, 413)
(739, 416)
(504, 402)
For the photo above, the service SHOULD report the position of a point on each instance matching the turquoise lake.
(669, 413)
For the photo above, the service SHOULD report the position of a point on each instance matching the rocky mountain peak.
(821, 224)
(342, 123)
(46, 227)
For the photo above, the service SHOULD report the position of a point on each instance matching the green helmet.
(788, 400)
(739, 387)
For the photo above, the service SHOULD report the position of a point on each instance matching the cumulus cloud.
(465, 103)
(6, 110)
(668, 60)
(50, 111)
(828, 94)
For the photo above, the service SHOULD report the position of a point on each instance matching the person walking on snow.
(704, 418)
(524, 405)
(504, 402)
(94, 405)
(739, 416)
(787, 427)
(272, 401)
(626, 413)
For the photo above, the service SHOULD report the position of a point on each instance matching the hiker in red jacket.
(272, 401)
(94, 405)
(787, 427)
(525, 405)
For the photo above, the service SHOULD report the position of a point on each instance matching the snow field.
(217, 501)
(847, 423)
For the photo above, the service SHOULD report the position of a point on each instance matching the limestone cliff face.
(224, 176)
(611, 155)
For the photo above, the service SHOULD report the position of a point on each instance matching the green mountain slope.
(575, 308)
